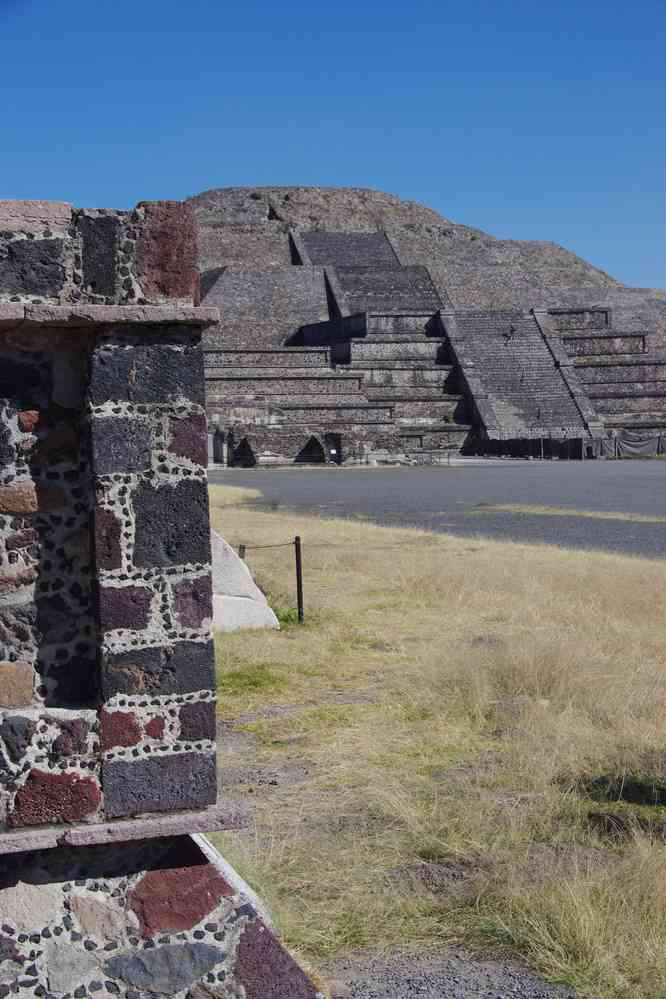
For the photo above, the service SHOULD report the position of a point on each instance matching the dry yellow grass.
(536, 510)
(447, 697)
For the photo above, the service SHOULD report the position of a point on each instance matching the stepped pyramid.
(353, 322)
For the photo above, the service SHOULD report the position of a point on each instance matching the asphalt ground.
(459, 499)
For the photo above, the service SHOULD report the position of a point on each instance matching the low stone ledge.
(11, 314)
(151, 827)
(72, 316)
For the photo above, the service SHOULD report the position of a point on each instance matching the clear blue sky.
(524, 118)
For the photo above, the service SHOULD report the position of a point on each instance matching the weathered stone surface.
(155, 728)
(53, 798)
(101, 234)
(21, 539)
(27, 905)
(158, 784)
(19, 635)
(266, 970)
(107, 539)
(124, 607)
(17, 733)
(231, 576)
(18, 498)
(176, 899)
(15, 577)
(188, 438)
(193, 600)
(100, 917)
(73, 738)
(166, 251)
(9, 951)
(34, 216)
(69, 966)
(172, 526)
(80, 316)
(197, 721)
(16, 684)
(28, 420)
(119, 728)
(242, 614)
(32, 267)
(167, 969)
(120, 445)
(176, 669)
(148, 374)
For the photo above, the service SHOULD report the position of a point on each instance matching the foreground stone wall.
(107, 687)
(154, 918)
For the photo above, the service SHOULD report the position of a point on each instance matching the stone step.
(411, 379)
(279, 357)
(397, 350)
(639, 405)
(338, 415)
(281, 384)
(268, 373)
(402, 364)
(451, 407)
(405, 393)
(628, 390)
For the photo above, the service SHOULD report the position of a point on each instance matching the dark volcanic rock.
(176, 669)
(172, 782)
(166, 969)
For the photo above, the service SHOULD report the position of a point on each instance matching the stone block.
(18, 498)
(107, 539)
(17, 733)
(52, 798)
(150, 373)
(59, 445)
(120, 445)
(167, 969)
(101, 235)
(265, 970)
(99, 918)
(21, 539)
(155, 728)
(193, 602)
(180, 668)
(172, 900)
(172, 782)
(73, 738)
(197, 721)
(34, 267)
(119, 728)
(124, 607)
(34, 216)
(188, 438)
(166, 251)
(19, 634)
(172, 525)
(16, 684)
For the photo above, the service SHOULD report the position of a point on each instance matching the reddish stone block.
(60, 445)
(189, 438)
(49, 798)
(197, 721)
(119, 728)
(265, 969)
(28, 420)
(20, 498)
(176, 899)
(155, 728)
(21, 539)
(166, 251)
(193, 601)
(107, 539)
(50, 498)
(124, 607)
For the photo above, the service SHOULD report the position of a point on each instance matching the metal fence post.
(241, 552)
(299, 578)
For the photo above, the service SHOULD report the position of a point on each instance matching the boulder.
(237, 600)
